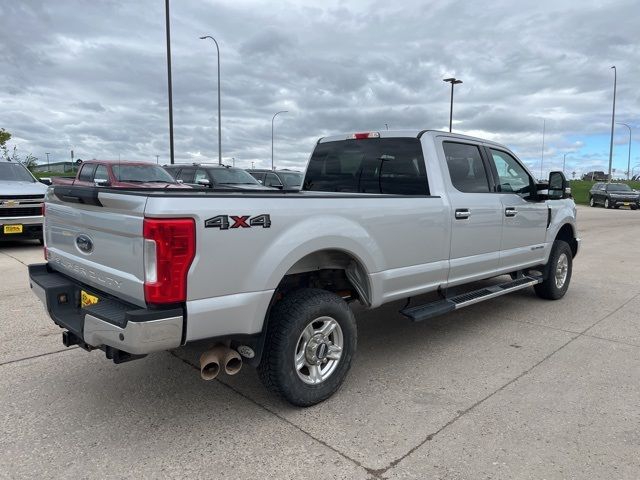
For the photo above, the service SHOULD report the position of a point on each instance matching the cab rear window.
(377, 165)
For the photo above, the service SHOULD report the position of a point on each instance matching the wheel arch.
(567, 234)
(332, 268)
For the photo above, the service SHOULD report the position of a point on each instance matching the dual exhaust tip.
(218, 358)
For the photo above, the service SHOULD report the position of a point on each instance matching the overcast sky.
(91, 76)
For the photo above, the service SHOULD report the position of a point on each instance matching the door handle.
(510, 212)
(462, 213)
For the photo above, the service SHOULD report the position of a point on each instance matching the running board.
(433, 309)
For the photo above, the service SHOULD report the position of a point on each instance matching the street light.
(544, 127)
(564, 159)
(629, 157)
(47, 154)
(613, 118)
(219, 114)
(452, 81)
(272, 119)
(169, 81)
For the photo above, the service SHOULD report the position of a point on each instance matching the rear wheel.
(606, 203)
(557, 272)
(311, 339)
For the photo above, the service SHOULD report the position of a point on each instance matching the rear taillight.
(169, 249)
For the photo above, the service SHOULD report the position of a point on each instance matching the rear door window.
(378, 165)
(466, 168)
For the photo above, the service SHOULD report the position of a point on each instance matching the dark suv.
(614, 195)
(216, 176)
(598, 176)
(282, 179)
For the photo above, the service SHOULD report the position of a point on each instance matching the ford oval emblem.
(84, 243)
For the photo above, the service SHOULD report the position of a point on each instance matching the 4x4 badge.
(239, 221)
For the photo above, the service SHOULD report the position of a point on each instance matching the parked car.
(120, 174)
(280, 179)
(219, 177)
(614, 195)
(267, 277)
(598, 176)
(21, 197)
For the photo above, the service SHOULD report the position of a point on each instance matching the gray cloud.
(91, 76)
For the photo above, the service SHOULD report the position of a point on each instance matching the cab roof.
(406, 134)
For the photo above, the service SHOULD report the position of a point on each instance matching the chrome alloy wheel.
(562, 269)
(318, 350)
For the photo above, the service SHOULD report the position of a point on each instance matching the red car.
(120, 174)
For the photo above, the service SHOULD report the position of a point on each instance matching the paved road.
(513, 388)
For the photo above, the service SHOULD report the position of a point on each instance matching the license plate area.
(87, 299)
(10, 229)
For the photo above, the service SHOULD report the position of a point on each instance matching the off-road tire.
(287, 320)
(548, 289)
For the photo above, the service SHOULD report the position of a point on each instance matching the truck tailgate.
(97, 239)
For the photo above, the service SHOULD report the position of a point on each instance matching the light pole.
(219, 114)
(233, 161)
(564, 160)
(169, 83)
(613, 118)
(387, 126)
(157, 159)
(629, 157)
(544, 127)
(47, 154)
(452, 81)
(272, 119)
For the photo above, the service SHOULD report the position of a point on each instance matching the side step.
(433, 309)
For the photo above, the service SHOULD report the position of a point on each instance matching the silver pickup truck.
(267, 277)
(21, 197)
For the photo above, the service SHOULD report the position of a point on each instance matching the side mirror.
(558, 187)
(204, 182)
(45, 180)
(101, 182)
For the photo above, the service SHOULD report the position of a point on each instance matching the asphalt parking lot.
(516, 387)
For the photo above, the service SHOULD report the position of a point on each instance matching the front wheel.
(592, 203)
(311, 339)
(557, 272)
(606, 203)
